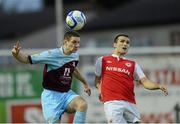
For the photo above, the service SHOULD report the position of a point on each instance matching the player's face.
(73, 44)
(122, 45)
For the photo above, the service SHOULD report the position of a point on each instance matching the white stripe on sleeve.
(139, 74)
(98, 66)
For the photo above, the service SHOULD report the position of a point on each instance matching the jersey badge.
(128, 64)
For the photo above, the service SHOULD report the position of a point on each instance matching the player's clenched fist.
(16, 49)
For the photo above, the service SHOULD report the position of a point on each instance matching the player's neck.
(118, 54)
(66, 51)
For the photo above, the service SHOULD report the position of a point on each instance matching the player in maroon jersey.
(60, 66)
(114, 79)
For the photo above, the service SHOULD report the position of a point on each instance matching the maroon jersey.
(58, 68)
(59, 79)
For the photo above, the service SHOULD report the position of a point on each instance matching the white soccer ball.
(75, 20)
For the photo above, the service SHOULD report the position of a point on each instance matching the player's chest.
(121, 66)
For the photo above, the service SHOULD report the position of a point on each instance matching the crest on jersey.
(109, 62)
(128, 64)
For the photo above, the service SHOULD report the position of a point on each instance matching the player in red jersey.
(114, 79)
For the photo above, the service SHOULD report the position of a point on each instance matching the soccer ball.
(75, 20)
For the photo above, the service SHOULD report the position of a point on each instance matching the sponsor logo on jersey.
(122, 70)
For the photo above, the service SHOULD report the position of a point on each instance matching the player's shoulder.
(107, 56)
(76, 54)
(53, 51)
(129, 59)
(103, 57)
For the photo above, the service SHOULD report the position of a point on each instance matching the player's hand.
(164, 89)
(87, 89)
(16, 49)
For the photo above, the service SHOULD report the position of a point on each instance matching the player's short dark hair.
(121, 34)
(70, 34)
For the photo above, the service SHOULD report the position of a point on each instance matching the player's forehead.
(74, 39)
(123, 38)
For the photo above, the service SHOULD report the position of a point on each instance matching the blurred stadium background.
(154, 27)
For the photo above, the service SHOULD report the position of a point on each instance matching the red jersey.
(117, 79)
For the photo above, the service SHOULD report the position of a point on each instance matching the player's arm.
(98, 68)
(97, 80)
(150, 85)
(97, 84)
(78, 75)
(21, 57)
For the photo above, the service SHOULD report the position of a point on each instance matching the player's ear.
(114, 44)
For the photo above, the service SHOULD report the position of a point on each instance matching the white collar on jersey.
(62, 50)
(118, 58)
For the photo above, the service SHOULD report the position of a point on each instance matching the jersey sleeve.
(98, 66)
(40, 58)
(139, 74)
